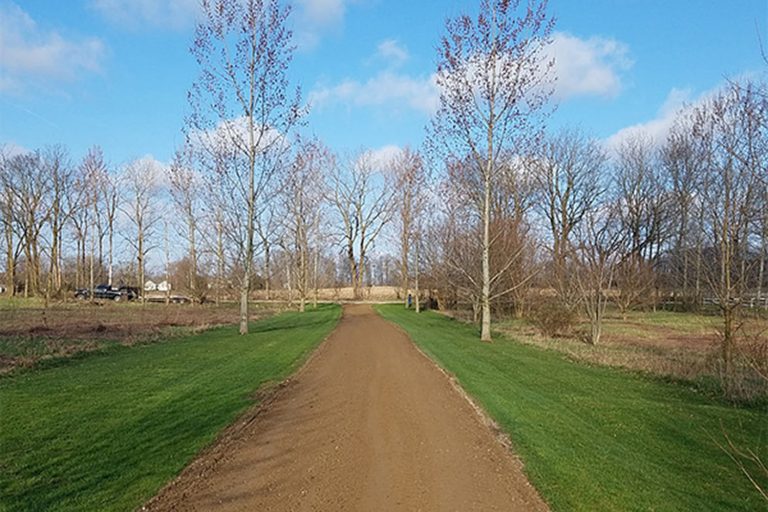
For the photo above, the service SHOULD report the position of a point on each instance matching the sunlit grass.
(597, 438)
(106, 431)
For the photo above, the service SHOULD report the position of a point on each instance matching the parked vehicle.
(173, 299)
(106, 292)
(130, 292)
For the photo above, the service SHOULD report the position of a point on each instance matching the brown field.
(677, 345)
(342, 293)
(30, 333)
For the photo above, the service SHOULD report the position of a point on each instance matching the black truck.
(106, 292)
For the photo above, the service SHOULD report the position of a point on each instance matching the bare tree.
(642, 203)
(492, 75)
(140, 179)
(569, 174)
(684, 163)
(29, 185)
(598, 248)
(109, 198)
(8, 211)
(241, 102)
(410, 185)
(363, 203)
(93, 175)
(267, 231)
(302, 192)
(56, 165)
(185, 193)
(727, 129)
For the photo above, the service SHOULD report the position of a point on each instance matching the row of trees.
(68, 225)
(491, 213)
(684, 222)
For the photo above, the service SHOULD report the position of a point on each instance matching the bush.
(553, 318)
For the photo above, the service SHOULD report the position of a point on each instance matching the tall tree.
(569, 174)
(8, 212)
(642, 202)
(684, 166)
(596, 250)
(242, 98)
(95, 174)
(302, 194)
(728, 132)
(410, 185)
(494, 84)
(185, 192)
(56, 164)
(363, 202)
(109, 197)
(30, 185)
(141, 207)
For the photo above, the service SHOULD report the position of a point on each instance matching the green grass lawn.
(595, 438)
(106, 431)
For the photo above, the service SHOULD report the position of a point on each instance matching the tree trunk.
(91, 277)
(244, 306)
(219, 259)
(314, 277)
(192, 253)
(303, 284)
(267, 271)
(352, 268)
(10, 260)
(140, 262)
(416, 280)
(167, 265)
(763, 257)
(485, 330)
(110, 242)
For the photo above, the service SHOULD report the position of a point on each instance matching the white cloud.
(317, 17)
(381, 158)
(588, 67)
(159, 13)
(11, 149)
(391, 51)
(386, 88)
(29, 52)
(233, 133)
(656, 129)
(323, 13)
(146, 168)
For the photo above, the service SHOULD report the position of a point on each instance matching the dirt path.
(369, 424)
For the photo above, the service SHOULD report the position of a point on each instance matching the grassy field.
(106, 431)
(597, 438)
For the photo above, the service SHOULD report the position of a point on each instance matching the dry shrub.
(553, 318)
(747, 380)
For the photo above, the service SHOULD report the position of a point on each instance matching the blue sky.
(116, 72)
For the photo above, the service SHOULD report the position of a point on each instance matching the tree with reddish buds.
(242, 106)
(494, 82)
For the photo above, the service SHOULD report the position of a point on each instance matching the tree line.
(494, 213)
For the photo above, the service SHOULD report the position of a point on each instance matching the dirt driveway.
(369, 425)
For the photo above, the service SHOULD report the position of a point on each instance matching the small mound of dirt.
(39, 329)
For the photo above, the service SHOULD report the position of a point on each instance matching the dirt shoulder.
(369, 424)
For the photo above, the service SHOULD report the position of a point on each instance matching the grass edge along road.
(596, 438)
(107, 431)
